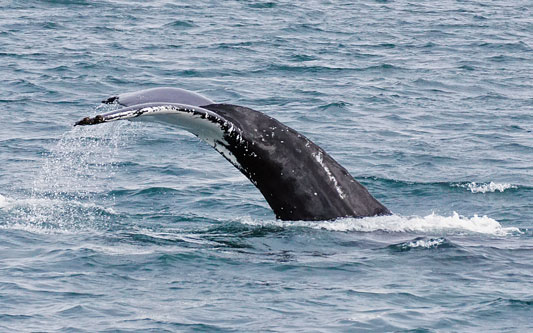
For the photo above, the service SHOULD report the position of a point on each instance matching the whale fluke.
(159, 95)
(298, 179)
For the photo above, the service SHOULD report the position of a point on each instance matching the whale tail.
(298, 179)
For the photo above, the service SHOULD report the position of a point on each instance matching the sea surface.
(134, 227)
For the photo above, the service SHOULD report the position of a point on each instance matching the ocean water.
(128, 227)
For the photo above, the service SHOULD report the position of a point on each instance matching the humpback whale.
(298, 179)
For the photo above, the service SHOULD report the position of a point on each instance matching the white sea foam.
(3, 202)
(430, 224)
(122, 249)
(486, 187)
(425, 243)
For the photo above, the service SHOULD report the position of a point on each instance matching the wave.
(180, 24)
(422, 243)
(473, 187)
(384, 67)
(45, 215)
(486, 187)
(59, 215)
(425, 243)
(430, 224)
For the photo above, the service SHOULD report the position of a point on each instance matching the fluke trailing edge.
(298, 179)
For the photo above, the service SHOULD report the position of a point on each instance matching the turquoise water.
(141, 227)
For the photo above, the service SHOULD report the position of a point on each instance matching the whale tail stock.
(298, 179)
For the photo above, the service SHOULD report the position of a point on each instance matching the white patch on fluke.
(318, 157)
(207, 126)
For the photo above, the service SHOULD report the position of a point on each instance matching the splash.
(46, 215)
(81, 163)
(486, 187)
(70, 191)
(430, 224)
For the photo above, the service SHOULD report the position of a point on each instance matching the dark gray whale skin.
(298, 179)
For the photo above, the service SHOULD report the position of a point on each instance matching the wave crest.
(421, 243)
(486, 187)
(430, 224)
(425, 243)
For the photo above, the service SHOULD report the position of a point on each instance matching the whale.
(297, 178)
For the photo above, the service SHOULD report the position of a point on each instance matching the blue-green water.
(137, 227)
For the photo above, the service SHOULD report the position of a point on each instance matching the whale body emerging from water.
(298, 179)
